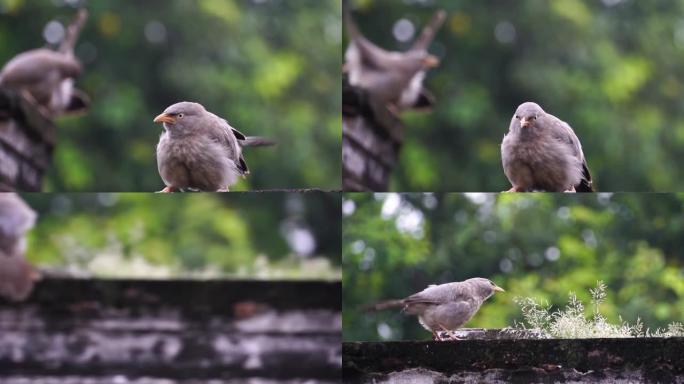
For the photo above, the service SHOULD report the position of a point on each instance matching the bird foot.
(168, 189)
(515, 189)
(571, 190)
(445, 336)
(223, 190)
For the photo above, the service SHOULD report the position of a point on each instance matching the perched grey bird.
(46, 77)
(445, 307)
(200, 151)
(542, 153)
(16, 274)
(395, 79)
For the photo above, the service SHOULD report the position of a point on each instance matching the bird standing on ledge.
(445, 307)
(200, 151)
(542, 153)
(17, 276)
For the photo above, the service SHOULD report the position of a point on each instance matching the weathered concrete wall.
(371, 141)
(633, 360)
(185, 331)
(27, 140)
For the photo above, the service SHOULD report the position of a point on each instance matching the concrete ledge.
(176, 329)
(511, 360)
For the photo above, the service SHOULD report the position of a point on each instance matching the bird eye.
(517, 117)
(180, 115)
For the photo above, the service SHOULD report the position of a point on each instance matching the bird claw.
(446, 336)
(168, 189)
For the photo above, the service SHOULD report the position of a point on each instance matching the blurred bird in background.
(17, 276)
(393, 79)
(46, 77)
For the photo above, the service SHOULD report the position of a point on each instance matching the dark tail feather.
(381, 306)
(429, 32)
(257, 141)
(586, 185)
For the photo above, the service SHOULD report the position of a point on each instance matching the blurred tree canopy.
(613, 69)
(533, 245)
(269, 235)
(270, 67)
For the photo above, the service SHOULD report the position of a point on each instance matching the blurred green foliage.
(542, 246)
(267, 235)
(271, 68)
(612, 69)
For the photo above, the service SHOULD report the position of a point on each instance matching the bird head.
(181, 116)
(485, 288)
(528, 113)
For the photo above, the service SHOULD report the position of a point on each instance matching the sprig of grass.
(571, 321)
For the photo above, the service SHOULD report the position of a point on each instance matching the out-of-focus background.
(250, 235)
(542, 246)
(612, 69)
(271, 68)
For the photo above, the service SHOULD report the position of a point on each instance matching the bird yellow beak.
(430, 61)
(165, 118)
(498, 289)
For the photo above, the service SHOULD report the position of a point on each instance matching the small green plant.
(571, 322)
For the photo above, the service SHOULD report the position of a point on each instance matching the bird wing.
(564, 133)
(32, 67)
(439, 294)
(222, 132)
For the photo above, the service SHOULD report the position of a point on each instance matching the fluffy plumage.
(200, 151)
(445, 307)
(47, 77)
(394, 79)
(16, 274)
(542, 153)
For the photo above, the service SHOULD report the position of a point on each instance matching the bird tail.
(257, 141)
(429, 32)
(383, 305)
(586, 185)
(352, 29)
(73, 30)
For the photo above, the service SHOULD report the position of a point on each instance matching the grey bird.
(394, 79)
(445, 307)
(46, 77)
(199, 151)
(17, 276)
(542, 153)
